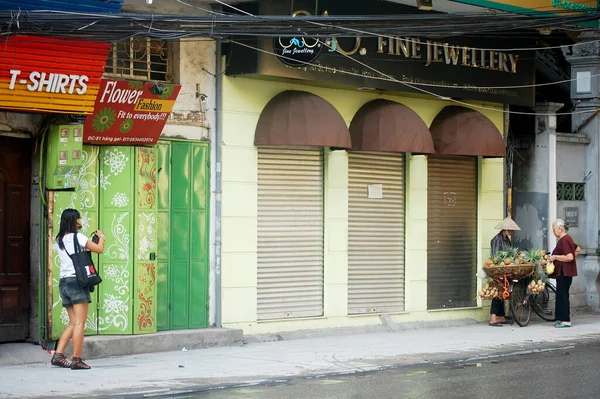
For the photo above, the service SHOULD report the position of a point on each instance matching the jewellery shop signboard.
(130, 112)
(50, 75)
(458, 67)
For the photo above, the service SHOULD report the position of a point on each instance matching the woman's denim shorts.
(70, 292)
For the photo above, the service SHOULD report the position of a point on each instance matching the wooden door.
(15, 175)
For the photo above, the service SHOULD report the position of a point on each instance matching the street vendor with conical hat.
(500, 242)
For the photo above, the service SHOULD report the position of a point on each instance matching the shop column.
(584, 58)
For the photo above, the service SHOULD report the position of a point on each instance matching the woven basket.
(515, 271)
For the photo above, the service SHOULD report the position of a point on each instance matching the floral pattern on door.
(145, 246)
(117, 221)
(116, 192)
(85, 200)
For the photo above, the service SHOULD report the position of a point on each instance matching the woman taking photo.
(565, 268)
(74, 298)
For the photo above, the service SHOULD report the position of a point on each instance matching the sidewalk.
(192, 371)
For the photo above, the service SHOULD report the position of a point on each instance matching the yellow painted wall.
(243, 101)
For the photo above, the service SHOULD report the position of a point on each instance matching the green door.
(85, 200)
(183, 198)
(116, 192)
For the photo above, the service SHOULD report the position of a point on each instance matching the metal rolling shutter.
(451, 232)
(290, 233)
(376, 234)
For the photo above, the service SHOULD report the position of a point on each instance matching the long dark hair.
(68, 224)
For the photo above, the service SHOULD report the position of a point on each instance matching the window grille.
(570, 191)
(139, 58)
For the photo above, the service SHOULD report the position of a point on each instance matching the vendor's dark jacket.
(499, 243)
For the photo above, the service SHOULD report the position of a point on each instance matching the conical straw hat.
(507, 224)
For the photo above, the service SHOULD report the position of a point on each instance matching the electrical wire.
(111, 27)
(417, 41)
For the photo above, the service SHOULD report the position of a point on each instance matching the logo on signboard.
(130, 112)
(297, 51)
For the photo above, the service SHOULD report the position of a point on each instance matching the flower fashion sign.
(129, 112)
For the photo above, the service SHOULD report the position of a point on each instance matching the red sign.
(129, 112)
(50, 74)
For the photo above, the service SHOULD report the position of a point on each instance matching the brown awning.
(387, 126)
(463, 131)
(298, 118)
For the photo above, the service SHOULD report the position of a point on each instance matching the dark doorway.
(15, 175)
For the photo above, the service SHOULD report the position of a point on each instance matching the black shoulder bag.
(85, 272)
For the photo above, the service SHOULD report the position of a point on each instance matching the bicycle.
(523, 301)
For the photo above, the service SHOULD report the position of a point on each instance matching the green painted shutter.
(183, 214)
(163, 235)
(85, 200)
(145, 242)
(200, 191)
(117, 193)
(180, 236)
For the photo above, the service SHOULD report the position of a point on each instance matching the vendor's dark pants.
(498, 307)
(563, 305)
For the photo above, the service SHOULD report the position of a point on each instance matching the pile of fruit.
(514, 256)
(488, 292)
(510, 256)
(536, 286)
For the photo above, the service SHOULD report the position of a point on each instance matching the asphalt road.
(569, 372)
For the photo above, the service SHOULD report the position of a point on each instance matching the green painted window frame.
(570, 191)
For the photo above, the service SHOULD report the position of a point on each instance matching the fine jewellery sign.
(298, 51)
(484, 69)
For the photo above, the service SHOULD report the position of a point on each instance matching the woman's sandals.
(78, 364)
(59, 360)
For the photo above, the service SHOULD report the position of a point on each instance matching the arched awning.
(387, 126)
(464, 131)
(299, 118)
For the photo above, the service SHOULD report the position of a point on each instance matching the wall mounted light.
(425, 5)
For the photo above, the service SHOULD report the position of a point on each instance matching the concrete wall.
(193, 115)
(244, 100)
(571, 167)
(531, 195)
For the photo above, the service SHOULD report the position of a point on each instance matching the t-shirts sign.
(54, 75)
(129, 112)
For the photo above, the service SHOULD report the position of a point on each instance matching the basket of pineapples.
(511, 262)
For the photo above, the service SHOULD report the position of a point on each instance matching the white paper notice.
(584, 83)
(375, 191)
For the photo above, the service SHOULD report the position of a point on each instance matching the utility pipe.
(218, 144)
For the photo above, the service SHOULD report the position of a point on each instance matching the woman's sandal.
(496, 324)
(562, 325)
(59, 360)
(78, 364)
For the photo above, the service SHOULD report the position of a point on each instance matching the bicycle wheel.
(544, 304)
(520, 308)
